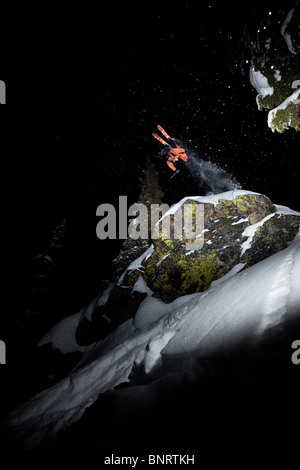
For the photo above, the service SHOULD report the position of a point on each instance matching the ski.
(163, 132)
(162, 141)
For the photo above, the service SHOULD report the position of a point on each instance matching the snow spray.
(210, 175)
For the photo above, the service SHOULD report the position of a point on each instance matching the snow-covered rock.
(239, 227)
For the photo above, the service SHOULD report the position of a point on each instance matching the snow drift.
(235, 313)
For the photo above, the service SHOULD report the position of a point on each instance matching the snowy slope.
(240, 309)
(234, 313)
(63, 335)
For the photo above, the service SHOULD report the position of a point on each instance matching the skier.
(175, 151)
(174, 154)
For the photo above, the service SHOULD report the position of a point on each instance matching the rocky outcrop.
(240, 229)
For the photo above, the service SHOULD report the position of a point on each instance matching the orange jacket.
(176, 153)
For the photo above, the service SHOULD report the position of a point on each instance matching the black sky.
(93, 84)
(96, 84)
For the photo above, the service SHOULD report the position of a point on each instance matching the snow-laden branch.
(288, 106)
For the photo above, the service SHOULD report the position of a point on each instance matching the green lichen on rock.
(286, 117)
(245, 205)
(181, 274)
(197, 272)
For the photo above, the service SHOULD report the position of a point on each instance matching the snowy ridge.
(229, 315)
(53, 409)
(62, 335)
(209, 199)
(285, 210)
(276, 300)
